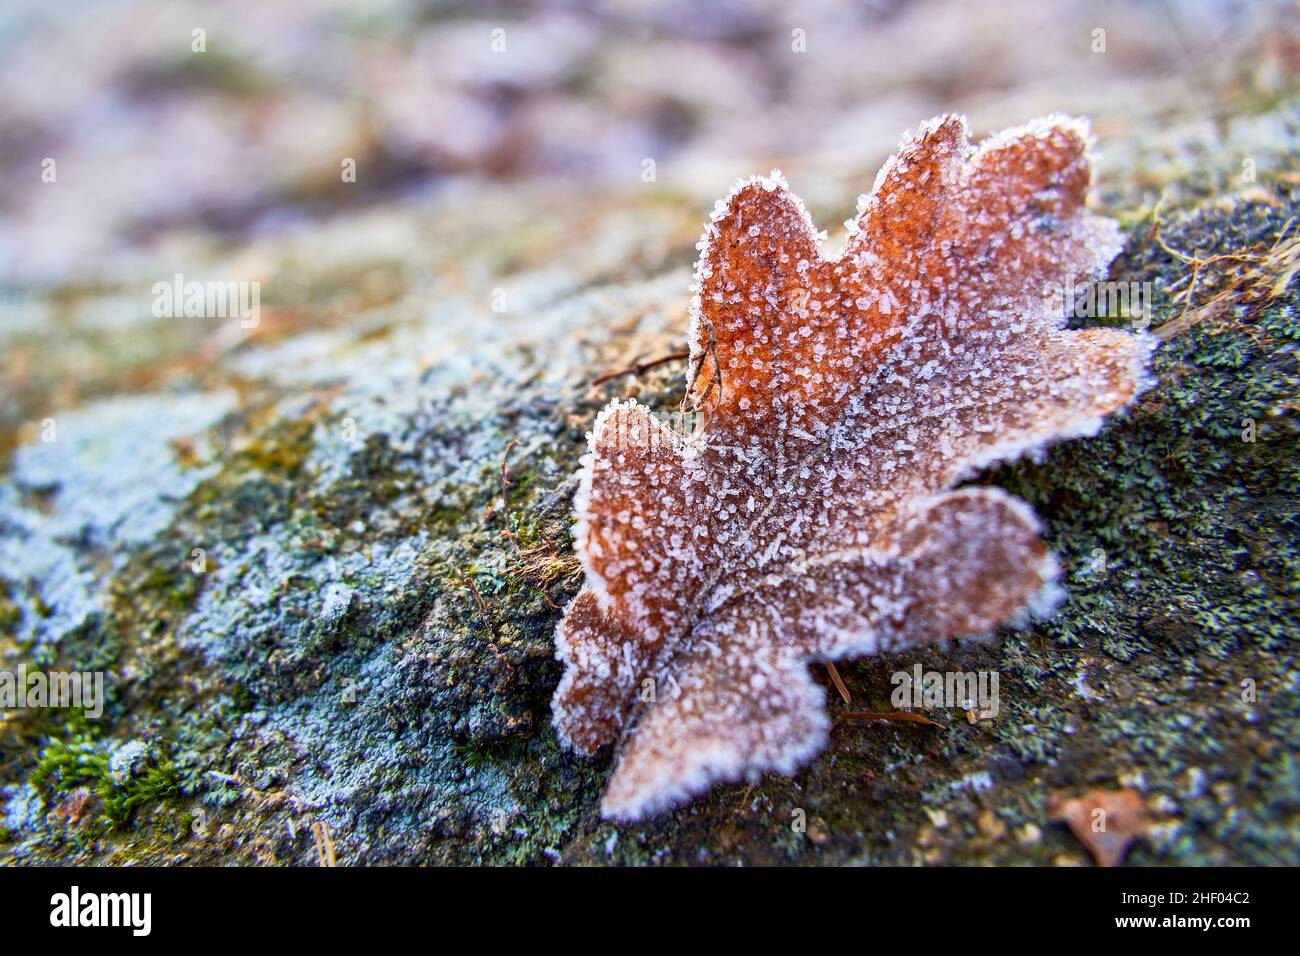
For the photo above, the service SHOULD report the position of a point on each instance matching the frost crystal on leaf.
(810, 517)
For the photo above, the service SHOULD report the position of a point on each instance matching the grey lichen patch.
(95, 484)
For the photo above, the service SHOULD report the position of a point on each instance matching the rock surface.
(321, 560)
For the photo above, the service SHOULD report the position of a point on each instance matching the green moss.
(280, 450)
(65, 766)
(258, 483)
(158, 782)
(62, 767)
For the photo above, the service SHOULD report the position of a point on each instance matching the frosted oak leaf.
(810, 516)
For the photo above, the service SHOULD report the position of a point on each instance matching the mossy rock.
(323, 576)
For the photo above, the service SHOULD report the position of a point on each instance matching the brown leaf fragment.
(320, 833)
(74, 805)
(1105, 821)
(838, 681)
(640, 368)
(899, 716)
(810, 515)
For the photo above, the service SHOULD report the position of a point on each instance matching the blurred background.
(233, 119)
